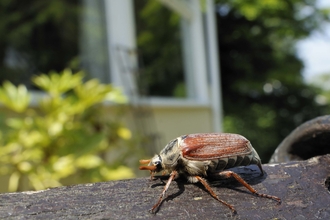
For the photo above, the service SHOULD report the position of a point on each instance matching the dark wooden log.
(308, 140)
(303, 187)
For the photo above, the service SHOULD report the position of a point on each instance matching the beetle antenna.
(144, 161)
(151, 168)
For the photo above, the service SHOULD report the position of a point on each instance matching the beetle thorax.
(170, 154)
(172, 159)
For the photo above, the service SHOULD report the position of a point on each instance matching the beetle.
(197, 156)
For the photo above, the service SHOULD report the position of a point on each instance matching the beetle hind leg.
(208, 188)
(261, 170)
(228, 174)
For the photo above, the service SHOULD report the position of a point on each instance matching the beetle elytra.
(196, 156)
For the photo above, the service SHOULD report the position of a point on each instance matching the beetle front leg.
(228, 174)
(172, 176)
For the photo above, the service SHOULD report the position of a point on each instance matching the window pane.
(41, 36)
(160, 50)
(93, 41)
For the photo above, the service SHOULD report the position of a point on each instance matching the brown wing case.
(209, 146)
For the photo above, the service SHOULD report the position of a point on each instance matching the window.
(124, 42)
(150, 48)
(40, 36)
(146, 58)
(160, 51)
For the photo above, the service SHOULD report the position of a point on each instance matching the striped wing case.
(211, 146)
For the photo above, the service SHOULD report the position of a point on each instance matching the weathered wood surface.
(308, 140)
(303, 187)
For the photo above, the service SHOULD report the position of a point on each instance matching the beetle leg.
(208, 188)
(172, 176)
(228, 174)
(261, 170)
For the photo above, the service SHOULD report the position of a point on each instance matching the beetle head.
(154, 164)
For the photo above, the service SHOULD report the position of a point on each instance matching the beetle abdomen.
(229, 162)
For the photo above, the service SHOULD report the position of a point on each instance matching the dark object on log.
(310, 139)
(303, 187)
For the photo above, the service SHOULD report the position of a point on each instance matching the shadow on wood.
(303, 187)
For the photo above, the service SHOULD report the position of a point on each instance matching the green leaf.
(92, 92)
(121, 172)
(14, 181)
(57, 84)
(14, 98)
(89, 161)
(66, 136)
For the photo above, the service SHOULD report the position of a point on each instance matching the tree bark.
(303, 187)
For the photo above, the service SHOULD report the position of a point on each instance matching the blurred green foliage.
(65, 138)
(322, 82)
(264, 94)
(38, 36)
(159, 42)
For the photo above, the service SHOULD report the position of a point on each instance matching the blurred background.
(89, 87)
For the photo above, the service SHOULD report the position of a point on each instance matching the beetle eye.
(158, 165)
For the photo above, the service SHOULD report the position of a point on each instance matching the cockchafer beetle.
(200, 155)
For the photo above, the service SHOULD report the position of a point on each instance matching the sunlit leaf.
(14, 181)
(64, 136)
(64, 166)
(116, 96)
(93, 92)
(124, 133)
(24, 166)
(57, 84)
(122, 172)
(14, 98)
(36, 181)
(15, 123)
(88, 161)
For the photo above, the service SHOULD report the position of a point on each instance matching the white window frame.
(202, 77)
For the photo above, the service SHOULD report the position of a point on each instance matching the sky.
(315, 50)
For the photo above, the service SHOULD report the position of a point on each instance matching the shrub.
(66, 136)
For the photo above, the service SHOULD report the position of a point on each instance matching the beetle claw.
(152, 211)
